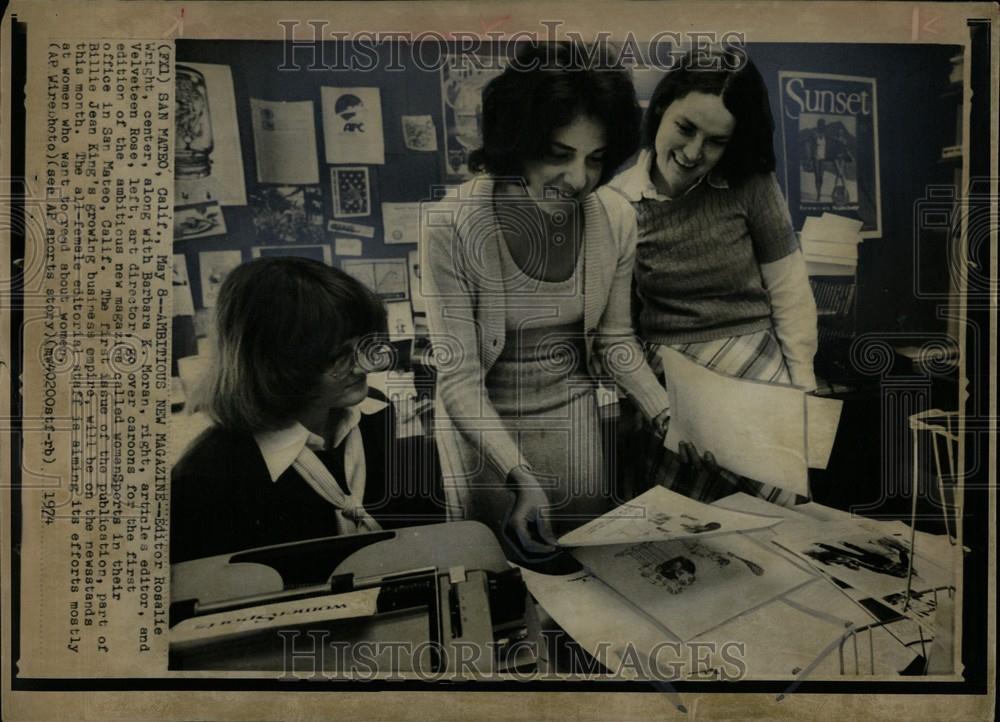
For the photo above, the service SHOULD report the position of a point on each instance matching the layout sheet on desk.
(661, 515)
(776, 640)
(691, 586)
(870, 559)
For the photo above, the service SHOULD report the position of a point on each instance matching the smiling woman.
(529, 281)
(719, 272)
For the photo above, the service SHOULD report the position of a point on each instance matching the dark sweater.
(697, 263)
(223, 499)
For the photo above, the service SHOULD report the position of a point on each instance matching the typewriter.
(430, 600)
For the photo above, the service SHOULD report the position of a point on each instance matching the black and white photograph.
(422, 360)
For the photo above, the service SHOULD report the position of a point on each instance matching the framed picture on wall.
(829, 129)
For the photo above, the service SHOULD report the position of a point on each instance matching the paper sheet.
(224, 180)
(284, 136)
(661, 515)
(754, 429)
(352, 125)
(347, 246)
(691, 586)
(869, 558)
(401, 222)
(399, 317)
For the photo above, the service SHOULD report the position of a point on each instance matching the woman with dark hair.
(718, 269)
(298, 449)
(527, 281)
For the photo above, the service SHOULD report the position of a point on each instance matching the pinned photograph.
(287, 214)
(419, 132)
(351, 192)
(352, 125)
(198, 220)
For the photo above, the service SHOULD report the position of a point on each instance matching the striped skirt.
(755, 356)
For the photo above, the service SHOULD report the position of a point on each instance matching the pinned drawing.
(419, 132)
(352, 125)
(208, 162)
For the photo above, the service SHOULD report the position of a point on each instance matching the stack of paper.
(830, 244)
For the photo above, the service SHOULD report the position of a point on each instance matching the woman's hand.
(694, 466)
(526, 527)
(661, 423)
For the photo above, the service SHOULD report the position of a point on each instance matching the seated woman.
(292, 454)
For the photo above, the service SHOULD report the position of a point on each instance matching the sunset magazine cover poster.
(829, 126)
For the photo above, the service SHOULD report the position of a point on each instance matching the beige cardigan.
(462, 284)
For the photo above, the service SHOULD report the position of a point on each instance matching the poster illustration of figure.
(829, 129)
(352, 125)
(461, 93)
(827, 154)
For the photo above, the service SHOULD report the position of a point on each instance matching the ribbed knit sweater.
(698, 259)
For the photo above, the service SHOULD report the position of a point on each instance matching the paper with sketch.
(873, 560)
(352, 125)
(209, 161)
(753, 428)
(691, 586)
(661, 515)
(284, 141)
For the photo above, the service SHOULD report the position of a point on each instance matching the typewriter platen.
(431, 600)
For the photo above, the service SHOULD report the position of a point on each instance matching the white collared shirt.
(280, 448)
(636, 183)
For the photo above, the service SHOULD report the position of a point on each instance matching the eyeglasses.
(370, 354)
